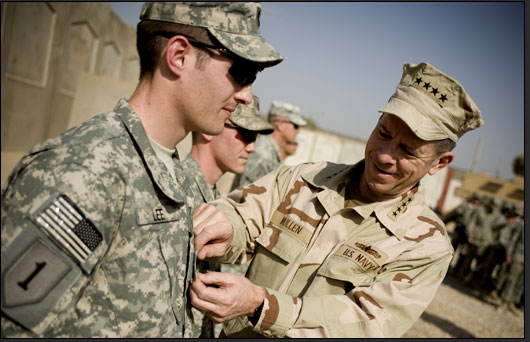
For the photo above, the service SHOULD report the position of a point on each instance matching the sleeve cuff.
(278, 313)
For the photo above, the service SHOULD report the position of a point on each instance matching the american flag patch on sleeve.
(65, 222)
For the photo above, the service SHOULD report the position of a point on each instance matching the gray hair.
(445, 145)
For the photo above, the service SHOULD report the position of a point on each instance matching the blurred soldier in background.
(272, 150)
(510, 283)
(460, 216)
(494, 253)
(96, 238)
(479, 236)
(340, 250)
(211, 157)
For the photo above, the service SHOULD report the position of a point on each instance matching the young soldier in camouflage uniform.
(341, 250)
(213, 156)
(272, 150)
(96, 223)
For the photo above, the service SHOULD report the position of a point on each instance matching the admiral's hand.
(212, 230)
(234, 295)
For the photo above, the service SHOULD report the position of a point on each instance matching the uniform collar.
(332, 179)
(267, 139)
(195, 174)
(159, 173)
(395, 214)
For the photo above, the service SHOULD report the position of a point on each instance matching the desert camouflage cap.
(434, 105)
(234, 24)
(249, 117)
(287, 110)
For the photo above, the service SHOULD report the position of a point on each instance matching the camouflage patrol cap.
(476, 195)
(518, 209)
(496, 202)
(434, 105)
(234, 24)
(287, 110)
(249, 117)
(485, 200)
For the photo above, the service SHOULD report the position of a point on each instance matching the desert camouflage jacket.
(264, 160)
(96, 236)
(330, 269)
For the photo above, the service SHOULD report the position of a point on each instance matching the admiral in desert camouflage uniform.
(271, 150)
(341, 250)
(97, 234)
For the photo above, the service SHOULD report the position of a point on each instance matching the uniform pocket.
(342, 269)
(351, 265)
(281, 244)
(276, 250)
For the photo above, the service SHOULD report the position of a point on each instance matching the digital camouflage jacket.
(96, 236)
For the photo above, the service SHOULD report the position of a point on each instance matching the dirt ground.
(458, 312)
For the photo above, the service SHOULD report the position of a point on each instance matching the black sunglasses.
(244, 72)
(248, 136)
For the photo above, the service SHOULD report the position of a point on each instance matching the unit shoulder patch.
(34, 273)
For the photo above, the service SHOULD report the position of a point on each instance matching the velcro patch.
(31, 277)
(67, 224)
(366, 256)
(295, 228)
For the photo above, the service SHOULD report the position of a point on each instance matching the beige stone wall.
(46, 47)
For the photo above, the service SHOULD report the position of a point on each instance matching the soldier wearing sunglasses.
(211, 156)
(96, 223)
(272, 150)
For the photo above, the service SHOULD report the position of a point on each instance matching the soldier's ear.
(442, 161)
(177, 54)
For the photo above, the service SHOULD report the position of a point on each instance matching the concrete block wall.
(45, 48)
